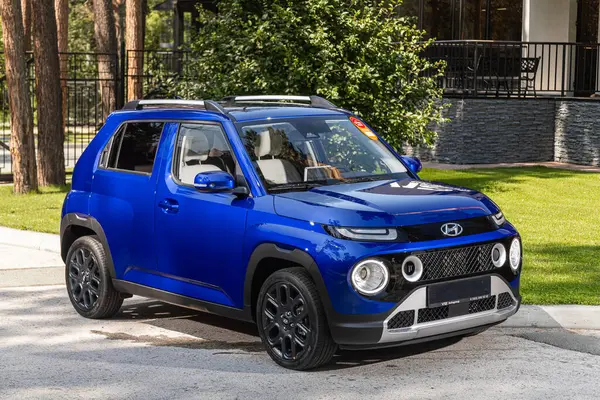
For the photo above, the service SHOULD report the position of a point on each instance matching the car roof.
(261, 113)
(238, 109)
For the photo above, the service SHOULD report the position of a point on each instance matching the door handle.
(169, 206)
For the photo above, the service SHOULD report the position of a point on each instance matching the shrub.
(359, 54)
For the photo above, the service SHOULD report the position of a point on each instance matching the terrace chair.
(529, 68)
(462, 72)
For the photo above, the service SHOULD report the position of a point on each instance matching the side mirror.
(214, 181)
(413, 163)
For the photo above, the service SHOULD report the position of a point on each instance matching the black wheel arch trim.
(91, 223)
(344, 328)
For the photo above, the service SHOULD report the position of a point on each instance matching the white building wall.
(551, 21)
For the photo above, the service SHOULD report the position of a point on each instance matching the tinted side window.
(134, 147)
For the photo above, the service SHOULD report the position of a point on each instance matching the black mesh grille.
(403, 319)
(477, 306)
(433, 314)
(504, 300)
(471, 226)
(456, 262)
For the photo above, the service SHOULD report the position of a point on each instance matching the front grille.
(450, 263)
(433, 314)
(504, 300)
(477, 306)
(443, 312)
(403, 319)
(425, 232)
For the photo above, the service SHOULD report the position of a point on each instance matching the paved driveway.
(156, 351)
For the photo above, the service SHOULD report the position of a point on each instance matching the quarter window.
(134, 147)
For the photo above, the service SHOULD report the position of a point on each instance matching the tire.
(291, 321)
(89, 281)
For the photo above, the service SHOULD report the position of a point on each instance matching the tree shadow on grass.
(484, 179)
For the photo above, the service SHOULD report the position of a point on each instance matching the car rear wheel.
(88, 280)
(291, 321)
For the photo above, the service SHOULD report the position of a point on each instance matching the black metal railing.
(97, 83)
(519, 69)
(91, 81)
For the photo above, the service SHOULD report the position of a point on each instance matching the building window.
(505, 20)
(438, 19)
(468, 19)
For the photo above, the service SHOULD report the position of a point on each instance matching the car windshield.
(303, 153)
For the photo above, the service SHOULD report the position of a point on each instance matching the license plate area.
(463, 291)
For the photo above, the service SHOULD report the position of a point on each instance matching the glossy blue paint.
(413, 163)
(179, 239)
(214, 181)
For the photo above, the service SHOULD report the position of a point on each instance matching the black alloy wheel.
(84, 278)
(89, 281)
(286, 322)
(292, 322)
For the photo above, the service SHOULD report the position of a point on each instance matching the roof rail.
(208, 105)
(313, 101)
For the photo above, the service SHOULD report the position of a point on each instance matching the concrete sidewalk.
(33, 259)
(29, 259)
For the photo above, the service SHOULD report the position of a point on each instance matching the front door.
(200, 235)
(586, 61)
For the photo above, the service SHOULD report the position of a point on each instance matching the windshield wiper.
(369, 178)
(301, 185)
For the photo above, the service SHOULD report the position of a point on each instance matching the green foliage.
(357, 53)
(158, 26)
(81, 27)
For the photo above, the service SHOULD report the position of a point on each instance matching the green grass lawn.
(35, 211)
(556, 211)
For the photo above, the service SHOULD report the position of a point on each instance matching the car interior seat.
(275, 170)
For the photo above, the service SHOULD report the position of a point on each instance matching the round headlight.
(498, 255)
(412, 268)
(370, 277)
(515, 254)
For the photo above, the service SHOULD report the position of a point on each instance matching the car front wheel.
(292, 322)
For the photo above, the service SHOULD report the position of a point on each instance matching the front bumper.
(420, 323)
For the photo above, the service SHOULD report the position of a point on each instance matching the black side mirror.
(241, 192)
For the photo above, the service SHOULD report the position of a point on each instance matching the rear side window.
(133, 147)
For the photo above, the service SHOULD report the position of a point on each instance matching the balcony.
(517, 69)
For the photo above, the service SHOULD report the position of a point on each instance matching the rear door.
(123, 193)
(199, 235)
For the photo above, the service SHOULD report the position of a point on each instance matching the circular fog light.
(498, 255)
(412, 268)
(515, 254)
(370, 277)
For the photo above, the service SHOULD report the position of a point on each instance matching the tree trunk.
(22, 146)
(51, 137)
(106, 43)
(26, 10)
(134, 43)
(62, 32)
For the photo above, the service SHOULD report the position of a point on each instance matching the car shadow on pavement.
(355, 358)
(221, 333)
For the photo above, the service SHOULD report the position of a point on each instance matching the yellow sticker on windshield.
(363, 128)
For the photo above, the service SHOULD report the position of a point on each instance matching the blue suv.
(287, 211)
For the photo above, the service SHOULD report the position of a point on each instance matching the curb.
(31, 240)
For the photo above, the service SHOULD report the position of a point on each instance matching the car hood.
(403, 202)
